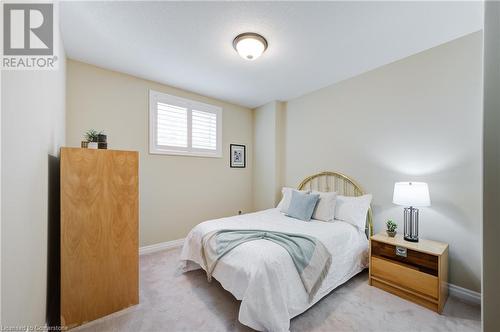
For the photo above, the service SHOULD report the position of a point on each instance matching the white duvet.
(261, 273)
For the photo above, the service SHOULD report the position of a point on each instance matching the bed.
(261, 273)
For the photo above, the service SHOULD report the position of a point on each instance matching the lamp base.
(411, 224)
(411, 239)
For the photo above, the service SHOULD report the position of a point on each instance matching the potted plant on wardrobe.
(92, 137)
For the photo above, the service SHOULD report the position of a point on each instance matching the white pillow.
(287, 197)
(325, 209)
(353, 209)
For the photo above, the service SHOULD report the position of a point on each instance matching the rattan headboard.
(340, 183)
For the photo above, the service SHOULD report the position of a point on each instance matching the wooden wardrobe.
(99, 233)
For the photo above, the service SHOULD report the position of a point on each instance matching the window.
(184, 127)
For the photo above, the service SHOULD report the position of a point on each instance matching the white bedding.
(261, 273)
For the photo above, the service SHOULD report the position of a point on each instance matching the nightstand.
(415, 271)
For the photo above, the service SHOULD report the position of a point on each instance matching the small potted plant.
(92, 136)
(391, 228)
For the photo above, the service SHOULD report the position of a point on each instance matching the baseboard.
(464, 294)
(161, 246)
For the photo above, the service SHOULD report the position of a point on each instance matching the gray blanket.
(312, 260)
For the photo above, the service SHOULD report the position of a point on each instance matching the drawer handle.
(401, 251)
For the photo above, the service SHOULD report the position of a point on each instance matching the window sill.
(185, 154)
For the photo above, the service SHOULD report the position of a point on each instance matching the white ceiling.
(311, 45)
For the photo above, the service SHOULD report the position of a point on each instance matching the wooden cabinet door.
(99, 233)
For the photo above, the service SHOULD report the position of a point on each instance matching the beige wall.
(268, 143)
(176, 192)
(491, 224)
(417, 119)
(32, 129)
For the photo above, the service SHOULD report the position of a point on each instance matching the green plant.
(391, 225)
(91, 135)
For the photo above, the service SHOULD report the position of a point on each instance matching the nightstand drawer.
(423, 262)
(404, 276)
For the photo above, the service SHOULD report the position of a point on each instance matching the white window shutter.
(181, 126)
(204, 130)
(172, 127)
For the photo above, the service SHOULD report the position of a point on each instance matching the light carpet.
(187, 302)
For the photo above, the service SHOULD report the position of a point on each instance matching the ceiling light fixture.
(250, 45)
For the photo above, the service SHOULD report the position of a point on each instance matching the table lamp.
(411, 194)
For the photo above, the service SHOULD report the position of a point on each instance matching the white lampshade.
(411, 194)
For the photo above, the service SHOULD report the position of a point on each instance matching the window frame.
(154, 148)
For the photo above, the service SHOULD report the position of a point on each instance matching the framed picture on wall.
(238, 158)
